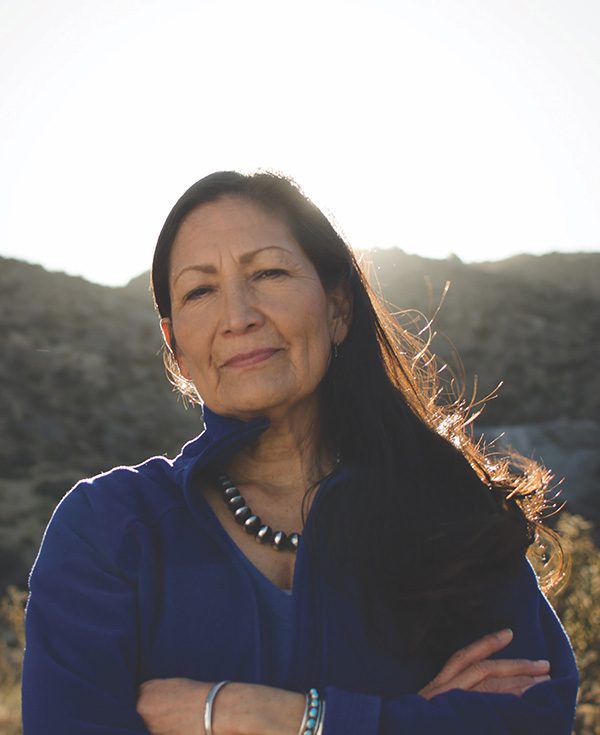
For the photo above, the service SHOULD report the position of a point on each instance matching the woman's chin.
(253, 409)
(272, 405)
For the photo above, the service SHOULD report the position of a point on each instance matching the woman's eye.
(197, 293)
(271, 273)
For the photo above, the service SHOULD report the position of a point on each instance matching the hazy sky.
(465, 126)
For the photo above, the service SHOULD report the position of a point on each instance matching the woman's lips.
(250, 358)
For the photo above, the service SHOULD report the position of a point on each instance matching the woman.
(332, 531)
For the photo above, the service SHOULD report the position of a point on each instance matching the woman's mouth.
(246, 359)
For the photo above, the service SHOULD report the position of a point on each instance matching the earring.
(335, 350)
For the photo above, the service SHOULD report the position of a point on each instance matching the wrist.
(283, 713)
(228, 711)
(254, 709)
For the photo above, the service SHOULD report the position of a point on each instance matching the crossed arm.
(81, 660)
(175, 706)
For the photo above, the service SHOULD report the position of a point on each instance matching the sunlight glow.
(456, 127)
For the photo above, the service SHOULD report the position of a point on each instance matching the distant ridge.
(579, 271)
(530, 321)
(82, 386)
(140, 284)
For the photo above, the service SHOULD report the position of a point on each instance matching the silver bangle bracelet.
(319, 727)
(209, 706)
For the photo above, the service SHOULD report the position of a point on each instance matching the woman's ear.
(167, 333)
(166, 327)
(340, 312)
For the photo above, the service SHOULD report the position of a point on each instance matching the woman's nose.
(240, 312)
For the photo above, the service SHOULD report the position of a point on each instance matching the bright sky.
(465, 126)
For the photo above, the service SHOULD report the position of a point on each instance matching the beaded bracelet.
(312, 721)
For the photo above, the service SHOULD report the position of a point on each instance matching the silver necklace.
(252, 523)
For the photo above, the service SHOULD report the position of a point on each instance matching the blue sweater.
(136, 579)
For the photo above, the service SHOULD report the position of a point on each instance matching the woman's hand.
(176, 707)
(470, 669)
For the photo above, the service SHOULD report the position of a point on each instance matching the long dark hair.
(429, 523)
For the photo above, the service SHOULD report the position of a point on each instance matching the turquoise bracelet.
(312, 721)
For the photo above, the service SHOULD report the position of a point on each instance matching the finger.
(500, 685)
(498, 668)
(509, 684)
(534, 681)
(472, 653)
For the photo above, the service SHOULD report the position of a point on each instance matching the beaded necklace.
(252, 523)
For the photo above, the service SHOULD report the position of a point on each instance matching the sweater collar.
(223, 428)
(222, 437)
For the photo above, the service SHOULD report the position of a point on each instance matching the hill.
(530, 322)
(82, 386)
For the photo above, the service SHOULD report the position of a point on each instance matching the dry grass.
(578, 606)
(579, 609)
(11, 616)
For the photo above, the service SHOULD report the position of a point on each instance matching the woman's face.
(253, 326)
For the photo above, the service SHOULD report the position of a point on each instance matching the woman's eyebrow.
(245, 258)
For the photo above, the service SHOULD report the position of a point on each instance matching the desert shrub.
(578, 607)
(12, 644)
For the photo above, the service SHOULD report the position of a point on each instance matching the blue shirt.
(275, 615)
(136, 580)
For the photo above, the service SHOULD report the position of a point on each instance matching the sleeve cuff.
(347, 713)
